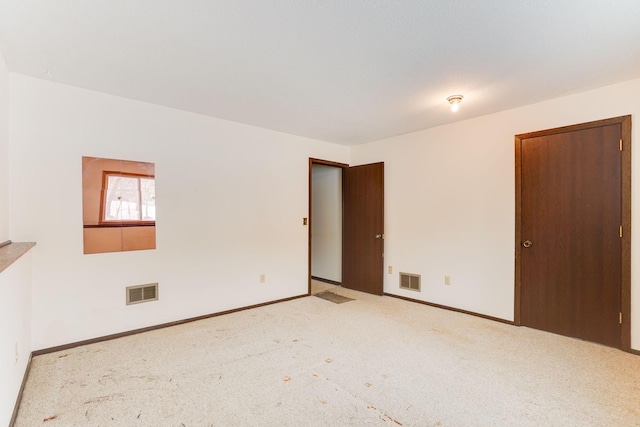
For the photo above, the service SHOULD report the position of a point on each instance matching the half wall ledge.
(12, 251)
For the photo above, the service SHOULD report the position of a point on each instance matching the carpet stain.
(46, 420)
(101, 399)
(383, 416)
(329, 360)
(286, 379)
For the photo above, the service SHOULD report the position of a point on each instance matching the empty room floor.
(376, 361)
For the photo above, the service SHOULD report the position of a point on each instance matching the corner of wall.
(4, 150)
(15, 333)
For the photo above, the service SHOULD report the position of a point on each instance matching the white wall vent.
(410, 281)
(142, 293)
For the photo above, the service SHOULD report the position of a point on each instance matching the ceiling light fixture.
(455, 100)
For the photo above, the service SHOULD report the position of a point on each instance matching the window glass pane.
(148, 196)
(122, 199)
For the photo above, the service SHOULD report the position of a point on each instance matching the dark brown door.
(363, 228)
(570, 243)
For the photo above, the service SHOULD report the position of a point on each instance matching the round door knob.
(527, 243)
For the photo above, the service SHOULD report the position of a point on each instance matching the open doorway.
(326, 225)
(359, 246)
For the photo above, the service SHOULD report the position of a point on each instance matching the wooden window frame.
(103, 194)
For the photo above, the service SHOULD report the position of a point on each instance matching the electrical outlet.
(263, 278)
(390, 270)
(447, 280)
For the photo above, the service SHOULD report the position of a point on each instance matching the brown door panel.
(571, 197)
(363, 228)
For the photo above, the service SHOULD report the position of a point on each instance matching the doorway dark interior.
(573, 227)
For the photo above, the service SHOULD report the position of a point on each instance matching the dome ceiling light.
(455, 101)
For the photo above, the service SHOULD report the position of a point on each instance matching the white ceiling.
(343, 71)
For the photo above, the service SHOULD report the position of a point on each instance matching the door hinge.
(620, 318)
(620, 231)
(621, 144)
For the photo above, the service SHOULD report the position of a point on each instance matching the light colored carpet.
(375, 361)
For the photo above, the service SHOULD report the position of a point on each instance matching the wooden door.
(569, 259)
(363, 228)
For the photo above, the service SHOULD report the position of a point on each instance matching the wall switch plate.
(390, 270)
(447, 280)
(263, 278)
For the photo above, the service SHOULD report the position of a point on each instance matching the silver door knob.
(527, 243)
(379, 236)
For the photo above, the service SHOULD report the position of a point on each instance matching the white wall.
(15, 281)
(230, 202)
(15, 332)
(326, 205)
(4, 150)
(450, 200)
